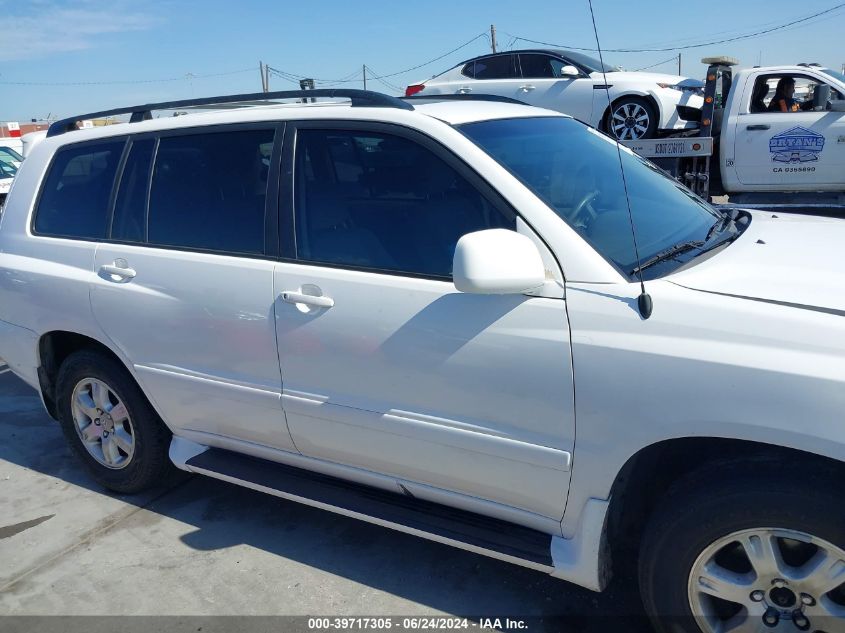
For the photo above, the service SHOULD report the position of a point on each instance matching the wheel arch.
(645, 96)
(648, 474)
(53, 348)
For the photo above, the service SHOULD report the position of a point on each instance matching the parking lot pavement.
(205, 547)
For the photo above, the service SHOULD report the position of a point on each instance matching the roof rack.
(359, 98)
(464, 97)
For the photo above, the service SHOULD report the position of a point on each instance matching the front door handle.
(464, 90)
(117, 273)
(757, 127)
(309, 300)
(527, 88)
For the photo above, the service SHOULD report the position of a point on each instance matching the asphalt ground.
(182, 558)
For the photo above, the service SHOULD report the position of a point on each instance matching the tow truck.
(748, 150)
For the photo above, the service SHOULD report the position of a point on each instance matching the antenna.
(644, 302)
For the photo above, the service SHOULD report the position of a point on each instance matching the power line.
(674, 58)
(355, 76)
(125, 81)
(381, 80)
(689, 46)
(436, 59)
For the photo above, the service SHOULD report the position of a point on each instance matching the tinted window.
(576, 171)
(75, 198)
(208, 191)
(404, 210)
(499, 67)
(537, 66)
(130, 208)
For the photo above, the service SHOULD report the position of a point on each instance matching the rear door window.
(498, 67)
(130, 210)
(209, 191)
(75, 198)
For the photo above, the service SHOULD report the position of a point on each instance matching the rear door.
(492, 75)
(387, 367)
(543, 86)
(184, 283)
(793, 151)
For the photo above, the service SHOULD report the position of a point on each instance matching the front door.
(387, 367)
(543, 86)
(184, 288)
(799, 150)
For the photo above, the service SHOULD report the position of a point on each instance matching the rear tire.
(110, 424)
(749, 527)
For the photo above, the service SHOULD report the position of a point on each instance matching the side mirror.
(497, 262)
(821, 95)
(569, 71)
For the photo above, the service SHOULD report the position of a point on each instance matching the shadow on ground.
(436, 576)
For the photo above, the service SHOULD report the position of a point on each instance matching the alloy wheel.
(629, 121)
(769, 579)
(103, 424)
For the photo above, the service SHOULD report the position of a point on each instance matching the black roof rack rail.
(464, 97)
(359, 98)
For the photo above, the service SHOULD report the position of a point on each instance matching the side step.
(466, 530)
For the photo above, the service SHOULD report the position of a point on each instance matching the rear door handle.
(757, 127)
(309, 300)
(123, 273)
(527, 88)
(463, 90)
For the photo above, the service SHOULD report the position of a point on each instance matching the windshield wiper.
(669, 253)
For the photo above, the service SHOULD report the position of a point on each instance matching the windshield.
(7, 170)
(593, 65)
(8, 155)
(834, 74)
(575, 170)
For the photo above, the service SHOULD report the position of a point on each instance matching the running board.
(484, 535)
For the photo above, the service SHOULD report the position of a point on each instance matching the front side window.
(383, 202)
(208, 191)
(785, 93)
(536, 66)
(75, 197)
(575, 170)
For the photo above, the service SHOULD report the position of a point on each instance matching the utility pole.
(364, 68)
(493, 37)
(679, 64)
(265, 77)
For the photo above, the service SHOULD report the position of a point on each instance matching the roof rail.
(359, 98)
(471, 96)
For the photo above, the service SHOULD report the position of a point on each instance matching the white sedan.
(642, 105)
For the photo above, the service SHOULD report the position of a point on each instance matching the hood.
(782, 258)
(642, 77)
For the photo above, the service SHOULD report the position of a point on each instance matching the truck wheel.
(632, 118)
(111, 426)
(730, 550)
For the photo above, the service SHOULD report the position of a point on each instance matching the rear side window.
(75, 197)
(129, 221)
(208, 191)
(499, 67)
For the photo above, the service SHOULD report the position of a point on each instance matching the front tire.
(632, 118)
(111, 425)
(734, 550)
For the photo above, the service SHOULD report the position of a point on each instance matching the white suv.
(431, 317)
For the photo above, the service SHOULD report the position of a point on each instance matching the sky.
(61, 58)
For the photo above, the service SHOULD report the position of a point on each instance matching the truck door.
(797, 150)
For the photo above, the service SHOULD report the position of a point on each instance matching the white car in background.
(643, 105)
